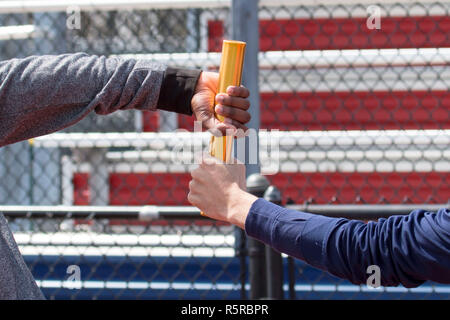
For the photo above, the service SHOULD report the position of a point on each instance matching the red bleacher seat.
(149, 188)
(346, 187)
(344, 33)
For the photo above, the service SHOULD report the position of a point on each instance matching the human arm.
(43, 94)
(408, 249)
(16, 280)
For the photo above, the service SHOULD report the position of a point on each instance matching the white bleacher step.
(18, 32)
(313, 58)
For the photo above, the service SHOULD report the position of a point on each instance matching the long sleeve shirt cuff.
(177, 90)
(298, 234)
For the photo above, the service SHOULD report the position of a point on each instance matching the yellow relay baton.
(230, 74)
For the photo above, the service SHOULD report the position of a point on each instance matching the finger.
(233, 113)
(236, 91)
(225, 128)
(231, 128)
(208, 123)
(219, 129)
(241, 129)
(197, 189)
(237, 102)
(209, 160)
(193, 186)
(196, 175)
(193, 198)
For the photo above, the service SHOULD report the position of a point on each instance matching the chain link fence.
(111, 258)
(359, 93)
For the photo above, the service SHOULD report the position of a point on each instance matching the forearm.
(408, 249)
(40, 95)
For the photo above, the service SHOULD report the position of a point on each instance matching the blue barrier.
(134, 277)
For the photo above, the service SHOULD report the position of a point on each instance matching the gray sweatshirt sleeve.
(16, 281)
(43, 94)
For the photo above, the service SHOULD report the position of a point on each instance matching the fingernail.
(230, 90)
(219, 98)
(219, 109)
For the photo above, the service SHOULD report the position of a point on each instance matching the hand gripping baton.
(230, 74)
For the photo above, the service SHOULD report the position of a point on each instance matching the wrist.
(177, 90)
(240, 206)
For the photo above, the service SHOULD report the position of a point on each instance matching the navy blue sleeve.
(408, 249)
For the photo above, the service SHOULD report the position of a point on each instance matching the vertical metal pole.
(257, 185)
(193, 28)
(99, 178)
(291, 277)
(240, 250)
(67, 171)
(31, 174)
(168, 121)
(291, 269)
(274, 261)
(245, 27)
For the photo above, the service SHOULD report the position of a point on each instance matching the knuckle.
(244, 92)
(229, 111)
(226, 100)
(203, 164)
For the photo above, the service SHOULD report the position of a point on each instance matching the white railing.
(18, 32)
(398, 139)
(313, 58)
(105, 5)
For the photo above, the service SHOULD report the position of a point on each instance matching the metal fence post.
(274, 261)
(240, 249)
(291, 269)
(244, 27)
(257, 185)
